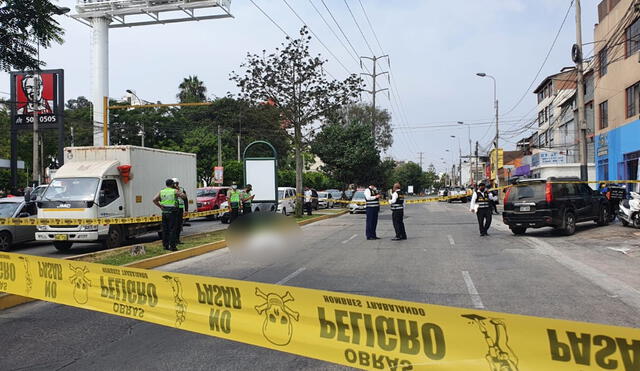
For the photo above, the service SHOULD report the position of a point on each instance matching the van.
(286, 200)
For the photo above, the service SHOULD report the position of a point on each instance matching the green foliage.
(286, 178)
(408, 174)
(233, 172)
(25, 24)
(364, 114)
(348, 152)
(191, 90)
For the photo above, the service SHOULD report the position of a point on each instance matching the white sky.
(436, 47)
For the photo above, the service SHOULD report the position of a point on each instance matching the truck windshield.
(72, 189)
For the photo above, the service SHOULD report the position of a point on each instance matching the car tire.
(62, 246)
(114, 237)
(624, 223)
(603, 216)
(635, 221)
(5, 241)
(518, 231)
(569, 225)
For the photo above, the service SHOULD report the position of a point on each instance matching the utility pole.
(374, 91)
(142, 136)
(420, 153)
(239, 131)
(37, 79)
(582, 125)
(219, 148)
(477, 177)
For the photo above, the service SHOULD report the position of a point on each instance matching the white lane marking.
(475, 297)
(350, 238)
(451, 241)
(287, 278)
(624, 250)
(625, 292)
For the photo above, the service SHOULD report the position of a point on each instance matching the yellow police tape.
(94, 221)
(354, 330)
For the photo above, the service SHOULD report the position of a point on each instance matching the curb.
(10, 300)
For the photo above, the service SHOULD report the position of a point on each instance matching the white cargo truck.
(110, 182)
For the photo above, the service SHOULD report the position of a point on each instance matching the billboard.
(261, 174)
(37, 92)
(218, 174)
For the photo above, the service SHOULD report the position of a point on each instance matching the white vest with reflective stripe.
(399, 204)
(482, 199)
(373, 203)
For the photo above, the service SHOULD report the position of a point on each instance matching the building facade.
(617, 93)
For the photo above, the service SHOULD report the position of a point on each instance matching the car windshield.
(72, 189)
(280, 194)
(39, 191)
(527, 191)
(7, 209)
(206, 193)
(358, 195)
(323, 194)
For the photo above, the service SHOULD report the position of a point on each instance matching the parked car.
(16, 207)
(211, 198)
(458, 192)
(443, 192)
(357, 207)
(336, 194)
(286, 200)
(536, 203)
(325, 200)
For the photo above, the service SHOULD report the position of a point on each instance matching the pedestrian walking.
(494, 202)
(234, 202)
(167, 201)
(372, 208)
(480, 205)
(308, 200)
(247, 198)
(397, 212)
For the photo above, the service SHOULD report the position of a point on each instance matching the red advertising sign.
(38, 92)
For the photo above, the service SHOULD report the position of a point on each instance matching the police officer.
(247, 197)
(183, 204)
(234, 202)
(167, 201)
(397, 212)
(480, 204)
(372, 209)
(308, 200)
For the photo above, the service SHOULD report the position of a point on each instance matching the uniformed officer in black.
(480, 204)
(397, 212)
(372, 208)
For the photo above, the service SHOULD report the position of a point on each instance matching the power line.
(358, 26)
(546, 58)
(371, 27)
(333, 31)
(271, 19)
(339, 27)
(316, 36)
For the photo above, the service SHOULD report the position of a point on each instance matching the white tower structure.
(104, 14)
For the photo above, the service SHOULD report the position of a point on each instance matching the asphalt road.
(40, 248)
(591, 276)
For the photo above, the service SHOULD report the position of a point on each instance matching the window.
(602, 62)
(604, 114)
(632, 99)
(540, 97)
(108, 192)
(603, 169)
(540, 118)
(632, 44)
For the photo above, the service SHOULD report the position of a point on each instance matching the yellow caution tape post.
(353, 330)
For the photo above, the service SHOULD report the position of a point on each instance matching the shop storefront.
(618, 152)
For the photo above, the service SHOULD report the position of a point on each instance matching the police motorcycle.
(629, 211)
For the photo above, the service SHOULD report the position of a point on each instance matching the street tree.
(25, 26)
(408, 174)
(192, 90)
(348, 152)
(364, 113)
(295, 82)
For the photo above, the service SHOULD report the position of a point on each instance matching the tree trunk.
(299, 166)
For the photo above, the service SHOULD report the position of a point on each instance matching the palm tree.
(192, 90)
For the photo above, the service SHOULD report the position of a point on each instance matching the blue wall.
(621, 140)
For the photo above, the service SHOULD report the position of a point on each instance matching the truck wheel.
(518, 231)
(114, 238)
(603, 216)
(5, 241)
(569, 224)
(624, 222)
(62, 246)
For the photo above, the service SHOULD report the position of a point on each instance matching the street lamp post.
(140, 103)
(495, 100)
(470, 154)
(459, 160)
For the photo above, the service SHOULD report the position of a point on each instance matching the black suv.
(536, 203)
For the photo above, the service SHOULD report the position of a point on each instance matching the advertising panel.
(38, 93)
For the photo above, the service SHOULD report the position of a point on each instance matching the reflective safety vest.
(168, 197)
(246, 203)
(234, 199)
(482, 199)
(373, 203)
(399, 204)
